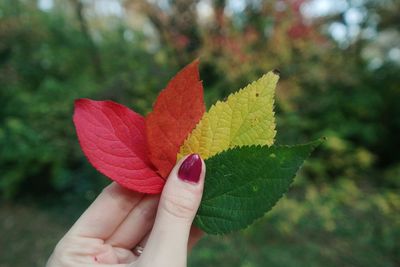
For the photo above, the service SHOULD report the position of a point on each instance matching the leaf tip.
(79, 101)
(276, 72)
(319, 141)
(78, 106)
(196, 61)
(193, 68)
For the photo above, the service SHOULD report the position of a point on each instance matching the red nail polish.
(190, 169)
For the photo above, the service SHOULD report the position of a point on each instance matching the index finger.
(107, 212)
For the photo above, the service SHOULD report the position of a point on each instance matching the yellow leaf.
(245, 118)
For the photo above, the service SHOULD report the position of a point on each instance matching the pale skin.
(119, 220)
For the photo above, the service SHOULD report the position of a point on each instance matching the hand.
(120, 220)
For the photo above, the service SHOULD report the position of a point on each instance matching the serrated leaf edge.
(227, 99)
(314, 145)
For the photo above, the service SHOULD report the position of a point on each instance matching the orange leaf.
(177, 110)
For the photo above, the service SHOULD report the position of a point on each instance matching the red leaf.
(114, 141)
(179, 107)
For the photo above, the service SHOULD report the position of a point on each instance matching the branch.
(94, 53)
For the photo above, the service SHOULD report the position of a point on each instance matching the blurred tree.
(45, 64)
(343, 86)
(93, 51)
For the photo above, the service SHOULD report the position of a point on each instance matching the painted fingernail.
(190, 169)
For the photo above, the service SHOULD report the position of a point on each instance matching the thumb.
(180, 199)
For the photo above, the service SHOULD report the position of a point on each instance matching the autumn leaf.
(176, 112)
(135, 152)
(114, 141)
(245, 118)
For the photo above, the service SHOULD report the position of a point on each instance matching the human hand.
(119, 221)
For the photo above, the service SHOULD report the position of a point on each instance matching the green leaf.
(242, 184)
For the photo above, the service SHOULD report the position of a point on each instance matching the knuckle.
(147, 209)
(148, 213)
(61, 248)
(122, 197)
(60, 256)
(179, 206)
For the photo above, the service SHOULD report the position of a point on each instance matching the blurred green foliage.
(343, 209)
(339, 225)
(45, 65)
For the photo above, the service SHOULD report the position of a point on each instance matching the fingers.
(78, 251)
(136, 225)
(178, 205)
(195, 235)
(124, 255)
(106, 213)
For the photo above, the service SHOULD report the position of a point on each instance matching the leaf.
(244, 183)
(246, 118)
(113, 139)
(179, 107)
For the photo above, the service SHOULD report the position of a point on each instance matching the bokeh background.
(340, 78)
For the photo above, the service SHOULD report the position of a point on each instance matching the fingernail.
(190, 169)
